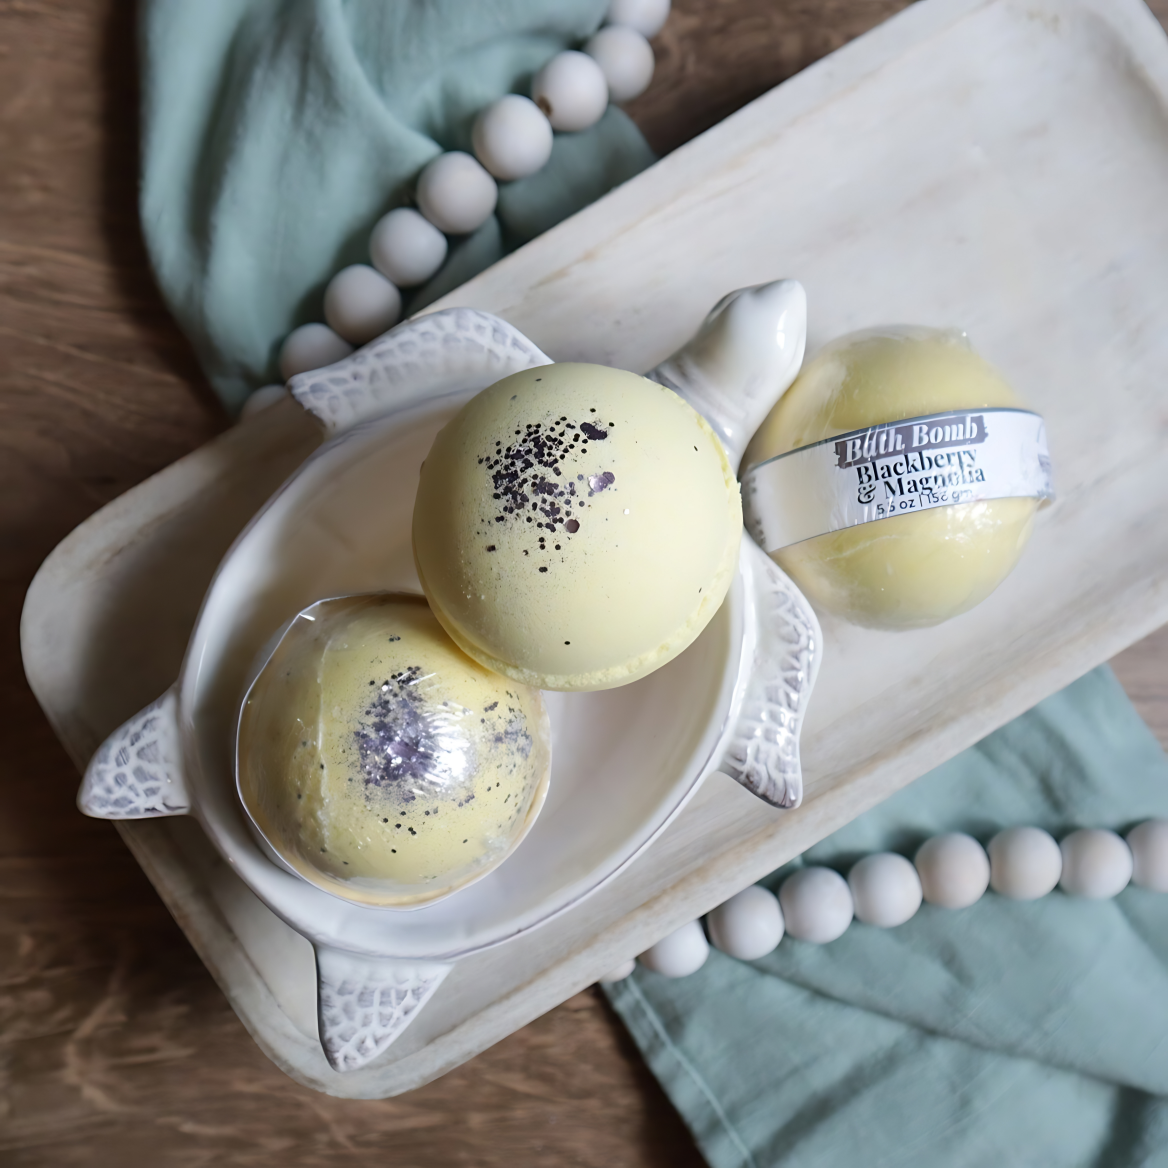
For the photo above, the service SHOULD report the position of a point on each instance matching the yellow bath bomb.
(382, 763)
(905, 570)
(576, 526)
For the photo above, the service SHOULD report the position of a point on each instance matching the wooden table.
(115, 1045)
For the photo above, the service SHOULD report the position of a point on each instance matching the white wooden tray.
(997, 165)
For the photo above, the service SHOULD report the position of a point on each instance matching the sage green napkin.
(1029, 1034)
(276, 133)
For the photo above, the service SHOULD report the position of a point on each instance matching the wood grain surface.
(116, 1048)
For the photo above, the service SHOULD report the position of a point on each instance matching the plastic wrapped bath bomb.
(914, 560)
(954, 870)
(380, 762)
(1025, 863)
(576, 526)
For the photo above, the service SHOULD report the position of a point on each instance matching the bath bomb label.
(938, 460)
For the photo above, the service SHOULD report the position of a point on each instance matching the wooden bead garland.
(406, 247)
(747, 926)
(361, 304)
(817, 904)
(646, 16)
(512, 137)
(1025, 863)
(954, 869)
(1149, 846)
(625, 58)
(884, 890)
(309, 347)
(682, 952)
(1097, 864)
(456, 193)
(571, 91)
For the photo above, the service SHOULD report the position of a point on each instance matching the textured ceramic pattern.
(137, 771)
(763, 754)
(456, 349)
(363, 1004)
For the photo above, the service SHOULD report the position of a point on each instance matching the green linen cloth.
(1030, 1034)
(276, 133)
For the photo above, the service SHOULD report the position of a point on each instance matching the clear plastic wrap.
(918, 558)
(383, 764)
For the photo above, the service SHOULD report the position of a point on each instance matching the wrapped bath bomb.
(896, 481)
(380, 762)
(576, 526)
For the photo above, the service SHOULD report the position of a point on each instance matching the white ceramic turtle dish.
(733, 701)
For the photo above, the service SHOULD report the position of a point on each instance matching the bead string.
(953, 870)
(456, 193)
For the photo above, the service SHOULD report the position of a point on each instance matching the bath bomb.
(380, 762)
(576, 526)
(905, 570)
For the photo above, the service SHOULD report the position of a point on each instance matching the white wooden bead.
(311, 346)
(1025, 863)
(747, 926)
(571, 91)
(360, 304)
(681, 953)
(406, 247)
(1149, 845)
(646, 16)
(817, 904)
(954, 870)
(625, 58)
(260, 399)
(885, 888)
(455, 193)
(622, 971)
(512, 137)
(1097, 864)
